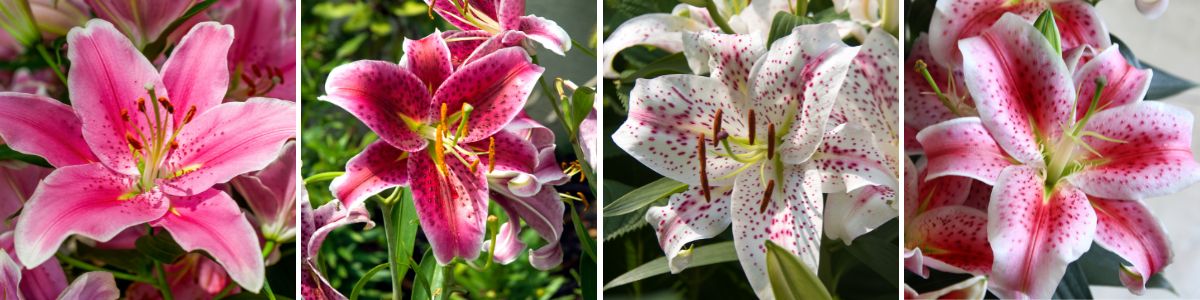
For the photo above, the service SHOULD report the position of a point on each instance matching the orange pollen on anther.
(767, 196)
(703, 168)
(443, 119)
(491, 154)
(473, 166)
(125, 115)
(439, 151)
(191, 113)
(752, 127)
(166, 104)
(174, 145)
(716, 128)
(771, 141)
(133, 142)
(583, 199)
(141, 104)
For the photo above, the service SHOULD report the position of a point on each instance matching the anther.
(752, 127)
(191, 113)
(133, 142)
(443, 119)
(583, 199)
(771, 141)
(125, 115)
(166, 104)
(491, 154)
(767, 196)
(174, 145)
(141, 104)
(703, 168)
(716, 128)
(473, 166)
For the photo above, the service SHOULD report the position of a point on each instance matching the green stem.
(391, 227)
(716, 16)
(323, 177)
(584, 239)
(116, 274)
(579, 154)
(162, 281)
(268, 248)
(267, 287)
(41, 49)
(583, 48)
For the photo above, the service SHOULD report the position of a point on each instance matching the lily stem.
(41, 49)
(711, 6)
(268, 248)
(162, 281)
(391, 227)
(267, 288)
(90, 267)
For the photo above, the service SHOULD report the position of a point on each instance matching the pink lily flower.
(946, 224)
(766, 183)
(433, 121)
(498, 16)
(17, 183)
(265, 29)
(1078, 23)
(142, 21)
(922, 107)
(191, 277)
(315, 225)
(522, 182)
(271, 195)
(90, 285)
(56, 17)
(145, 160)
(972, 288)
(1068, 167)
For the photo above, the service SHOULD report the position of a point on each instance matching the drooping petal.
(315, 225)
(972, 288)
(43, 281)
(791, 220)
(379, 167)
(870, 93)
(543, 213)
(688, 218)
(382, 95)
(44, 127)
(211, 221)
(462, 43)
(1020, 86)
(451, 206)
(84, 200)
(496, 85)
(429, 59)
(728, 57)
(547, 33)
(514, 162)
(1127, 228)
(963, 147)
(18, 181)
(271, 195)
(668, 114)
(10, 277)
(93, 285)
(229, 140)
(197, 72)
(858, 212)
(1151, 156)
(1125, 84)
(108, 75)
(1035, 233)
(660, 30)
(951, 239)
(1078, 23)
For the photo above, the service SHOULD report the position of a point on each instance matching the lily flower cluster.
(144, 145)
(1036, 143)
(765, 135)
(452, 129)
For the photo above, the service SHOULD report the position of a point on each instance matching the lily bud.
(19, 22)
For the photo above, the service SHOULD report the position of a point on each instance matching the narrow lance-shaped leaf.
(643, 196)
(701, 256)
(1045, 24)
(791, 279)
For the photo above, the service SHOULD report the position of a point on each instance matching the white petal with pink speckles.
(850, 215)
(963, 147)
(728, 57)
(662, 31)
(790, 220)
(848, 160)
(1154, 159)
(1078, 23)
(922, 108)
(870, 93)
(1127, 228)
(688, 217)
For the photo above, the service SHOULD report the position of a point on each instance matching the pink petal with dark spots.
(229, 140)
(951, 239)
(922, 108)
(212, 221)
(379, 167)
(496, 85)
(963, 147)
(1127, 228)
(687, 218)
(1154, 158)
(462, 43)
(44, 127)
(542, 212)
(378, 93)
(429, 59)
(1125, 84)
(1078, 23)
(452, 207)
(197, 72)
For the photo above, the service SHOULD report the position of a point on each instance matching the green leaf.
(160, 247)
(616, 226)
(783, 24)
(876, 250)
(433, 276)
(407, 221)
(587, 279)
(790, 278)
(1163, 84)
(581, 105)
(7, 153)
(362, 282)
(701, 256)
(1046, 25)
(696, 3)
(643, 196)
(584, 239)
(129, 260)
(1074, 284)
(351, 46)
(1102, 266)
(671, 64)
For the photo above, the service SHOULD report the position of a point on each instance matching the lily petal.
(315, 225)
(44, 281)
(452, 207)
(495, 43)
(848, 160)
(972, 288)
(1151, 155)
(379, 167)
(100, 92)
(1035, 233)
(922, 108)
(496, 85)
(271, 194)
(211, 221)
(1125, 84)
(462, 43)
(1127, 228)
(44, 127)
(68, 201)
(870, 92)
(858, 212)
(1018, 81)
(93, 285)
(937, 192)
(1078, 23)
(547, 33)
(229, 140)
(659, 30)
(688, 218)
(508, 12)
(429, 59)
(197, 72)
(728, 57)
(543, 213)
(951, 239)
(10, 276)
(382, 95)
(666, 116)
(791, 220)
(963, 147)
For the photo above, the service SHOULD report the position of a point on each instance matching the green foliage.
(790, 278)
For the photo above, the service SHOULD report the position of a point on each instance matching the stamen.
(704, 189)
(191, 113)
(133, 142)
(125, 115)
(491, 154)
(716, 128)
(473, 165)
(583, 199)
(141, 104)
(771, 141)
(752, 127)
(443, 119)
(439, 151)
(174, 145)
(923, 68)
(762, 206)
(166, 104)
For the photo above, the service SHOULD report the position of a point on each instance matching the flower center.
(151, 148)
(476, 17)
(1070, 154)
(255, 81)
(749, 151)
(445, 143)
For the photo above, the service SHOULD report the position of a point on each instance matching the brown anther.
(767, 196)
(716, 128)
(174, 145)
(125, 115)
(246, 79)
(703, 168)
(141, 103)
(583, 199)
(257, 71)
(752, 127)
(166, 104)
(491, 154)
(771, 141)
(133, 142)
(191, 113)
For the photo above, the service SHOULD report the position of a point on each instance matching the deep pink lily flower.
(498, 16)
(271, 195)
(266, 28)
(946, 224)
(1068, 170)
(142, 21)
(192, 277)
(922, 107)
(1078, 23)
(315, 225)
(431, 119)
(90, 285)
(142, 146)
